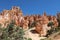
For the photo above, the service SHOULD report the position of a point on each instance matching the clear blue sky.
(32, 6)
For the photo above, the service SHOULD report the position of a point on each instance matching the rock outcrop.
(7, 15)
(39, 22)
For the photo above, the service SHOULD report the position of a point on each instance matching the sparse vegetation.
(29, 39)
(11, 32)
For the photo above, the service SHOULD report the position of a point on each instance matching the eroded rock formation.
(39, 22)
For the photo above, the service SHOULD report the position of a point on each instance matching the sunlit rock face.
(54, 20)
(14, 14)
(33, 36)
(2, 21)
(26, 21)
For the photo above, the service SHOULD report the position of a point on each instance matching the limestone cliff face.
(7, 15)
(16, 14)
(40, 23)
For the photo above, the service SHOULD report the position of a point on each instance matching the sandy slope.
(55, 36)
(28, 34)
